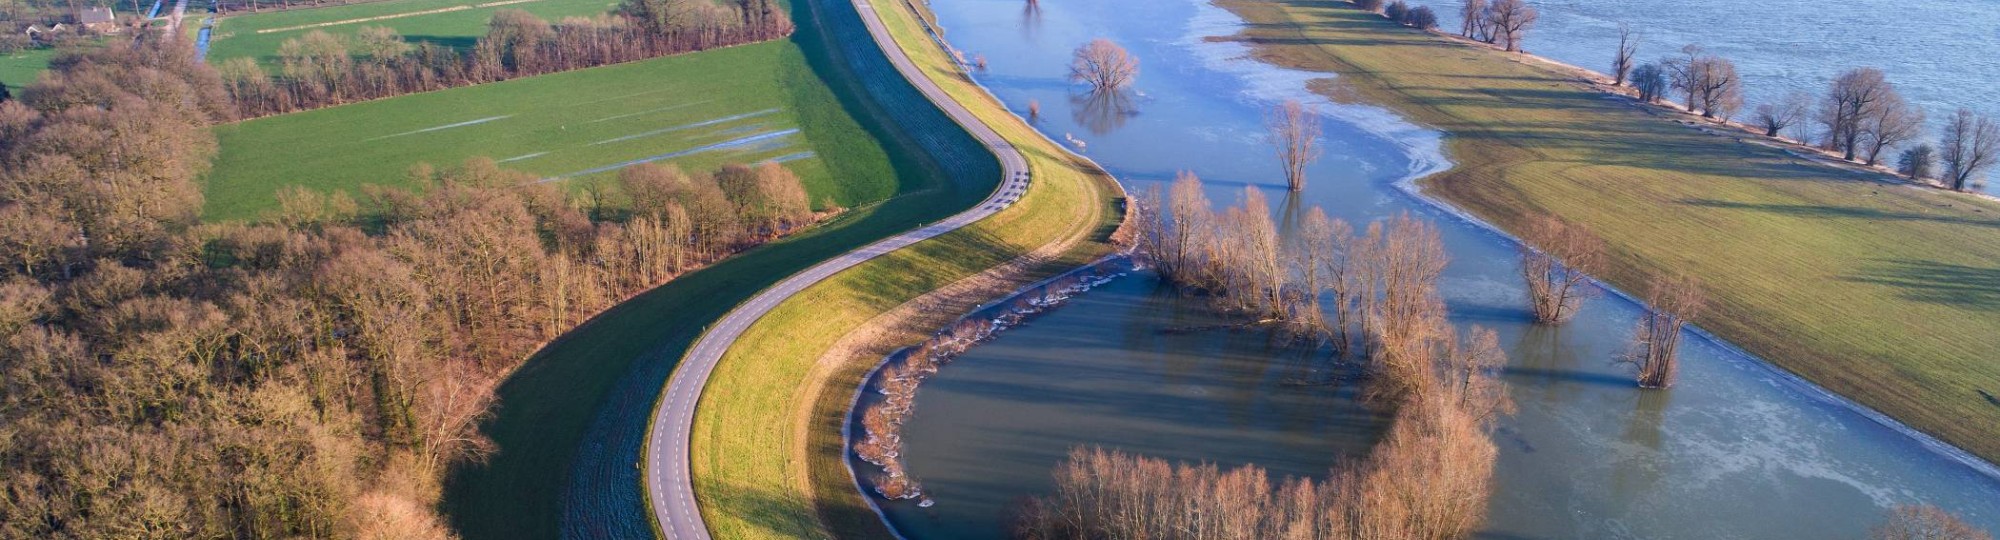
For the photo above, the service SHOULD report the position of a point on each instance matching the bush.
(1368, 5)
(1396, 10)
(1421, 18)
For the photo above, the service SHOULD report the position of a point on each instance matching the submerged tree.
(1294, 132)
(1656, 343)
(1103, 65)
(1557, 261)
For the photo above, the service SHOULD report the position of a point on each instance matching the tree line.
(1860, 115)
(309, 375)
(320, 69)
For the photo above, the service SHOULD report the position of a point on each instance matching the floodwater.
(1942, 54)
(1737, 450)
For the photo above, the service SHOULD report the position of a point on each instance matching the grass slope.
(238, 36)
(1887, 294)
(767, 456)
(657, 107)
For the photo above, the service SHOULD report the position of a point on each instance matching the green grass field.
(1884, 293)
(701, 110)
(258, 35)
(19, 68)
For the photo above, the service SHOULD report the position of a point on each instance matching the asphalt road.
(669, 488)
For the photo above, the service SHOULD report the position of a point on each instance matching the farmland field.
(699, 111)
(19, 68)
(446, 22)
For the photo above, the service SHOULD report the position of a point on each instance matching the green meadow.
(699, 111)
(19, 68)
(446, 22)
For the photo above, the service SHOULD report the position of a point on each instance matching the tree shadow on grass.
(1848, 212)
(1965, 287)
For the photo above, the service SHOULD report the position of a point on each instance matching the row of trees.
(309, 376)
(320, 69)
(1503, 23)
(1860, 115)
(1432, 473)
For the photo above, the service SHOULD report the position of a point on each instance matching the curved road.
(669, 488)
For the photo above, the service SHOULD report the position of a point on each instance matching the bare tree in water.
(1656, 343)
(1925, 522)
(1557, 261)
(1103, 65)
(1295, 134)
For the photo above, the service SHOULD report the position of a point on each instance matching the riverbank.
(767, 457)
(1880, 292)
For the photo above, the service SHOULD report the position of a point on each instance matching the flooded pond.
(1737, 450)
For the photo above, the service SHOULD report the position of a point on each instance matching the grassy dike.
(570, 422)
(1884, 293)
(767, 457)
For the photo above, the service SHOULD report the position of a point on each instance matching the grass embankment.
(739, 104)
(454, 23)
(1884, 293)
(767, 457)
(559, 401)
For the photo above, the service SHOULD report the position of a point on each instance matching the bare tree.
(1850, 100)
(1721, 91)
(1971, 144)
(1472, 18)
(1775, 117)
(1103, 65)
(1893, 122)
(1656, 342)
(1684, 74)
(1557, 260)
(1628, 47)
(1294, 132)
(1511, 20)
(1925, 522)
(1371, 6)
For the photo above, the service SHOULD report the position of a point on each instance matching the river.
(1737, 450)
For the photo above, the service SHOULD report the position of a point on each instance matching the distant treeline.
(320, 69)
(1860, 115)
(309, 376)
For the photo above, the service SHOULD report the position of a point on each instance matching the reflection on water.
(1102, 112)
(1734, 451)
